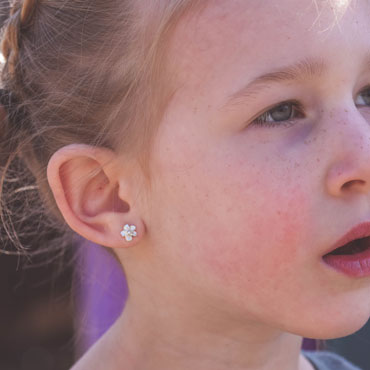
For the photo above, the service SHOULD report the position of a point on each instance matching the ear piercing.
(128, 232)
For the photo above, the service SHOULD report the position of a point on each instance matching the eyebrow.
(305, 69)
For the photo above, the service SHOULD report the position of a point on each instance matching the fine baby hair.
(218, 149)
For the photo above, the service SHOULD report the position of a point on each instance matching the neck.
(148, 339)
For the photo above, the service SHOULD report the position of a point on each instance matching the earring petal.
(128, 232)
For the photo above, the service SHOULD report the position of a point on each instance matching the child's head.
(259, 120)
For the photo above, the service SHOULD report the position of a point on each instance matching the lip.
(360, 231)
(353, 265)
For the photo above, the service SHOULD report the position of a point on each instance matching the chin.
(335, 315)
(334, 327)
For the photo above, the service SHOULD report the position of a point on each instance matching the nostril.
(352, 183)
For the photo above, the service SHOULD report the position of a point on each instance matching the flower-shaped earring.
(128, 232)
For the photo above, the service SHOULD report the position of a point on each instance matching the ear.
(94, 191)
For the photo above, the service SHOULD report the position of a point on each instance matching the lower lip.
(353, 265)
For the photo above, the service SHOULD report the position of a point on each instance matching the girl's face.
(247, 198)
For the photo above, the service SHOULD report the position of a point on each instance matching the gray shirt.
(325, 360)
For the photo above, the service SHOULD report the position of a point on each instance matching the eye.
(363, 98)
(280, 115)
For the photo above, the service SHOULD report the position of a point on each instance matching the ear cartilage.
(128, 232)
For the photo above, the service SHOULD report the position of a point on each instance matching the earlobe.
(94, 195)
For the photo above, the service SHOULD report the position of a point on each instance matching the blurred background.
(36, 317)
(51, 313)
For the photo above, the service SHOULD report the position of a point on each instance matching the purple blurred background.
(101, 292)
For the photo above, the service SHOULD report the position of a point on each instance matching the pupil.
(284, 112)
(366, 97)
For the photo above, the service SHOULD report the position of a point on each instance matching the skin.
(227, 271)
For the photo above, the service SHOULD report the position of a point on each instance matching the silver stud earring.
(128, 232)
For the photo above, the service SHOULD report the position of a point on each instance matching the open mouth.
(354, 247)
(350, 255)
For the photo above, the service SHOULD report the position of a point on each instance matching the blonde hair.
(81, 71)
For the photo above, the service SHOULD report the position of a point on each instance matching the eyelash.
(297, 109)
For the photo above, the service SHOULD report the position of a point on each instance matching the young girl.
(220, 149)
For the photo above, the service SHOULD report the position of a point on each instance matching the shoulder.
(325, 360)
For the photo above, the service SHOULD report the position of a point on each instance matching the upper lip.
(359, 231)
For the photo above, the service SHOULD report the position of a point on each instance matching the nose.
(349, 171)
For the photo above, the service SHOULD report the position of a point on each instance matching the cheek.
(230, 221)
(255, 230)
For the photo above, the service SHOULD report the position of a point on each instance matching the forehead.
(228, 39)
